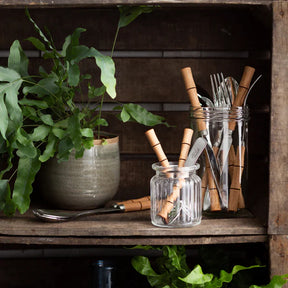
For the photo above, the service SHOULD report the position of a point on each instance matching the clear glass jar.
(175, 196)
(227, 134)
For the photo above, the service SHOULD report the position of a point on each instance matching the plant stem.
(114, 42)
(100, 112)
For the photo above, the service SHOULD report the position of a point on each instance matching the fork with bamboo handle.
(185, 146)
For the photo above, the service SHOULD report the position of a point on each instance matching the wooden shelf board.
(126, 229)
(83, 3)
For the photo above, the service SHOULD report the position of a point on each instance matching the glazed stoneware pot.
(84, 183)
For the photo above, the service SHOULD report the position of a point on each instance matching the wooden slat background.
(217, 39)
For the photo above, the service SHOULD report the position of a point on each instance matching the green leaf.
(196, 276)
(17, 59)
(78, 53)
(74, 130)
(47, 119)
(49, 149)
(101, 122)
(142, 116)
(40, 133)
(25, 145)
(4, 116)
(95, 92)
(107, 67)
(8, 75)
(88, 143)
(71, 40)
(173, 254)
(6, 147)
(30, 113)
(26, 151)
(73, 75)
(46, 86)
(87, 132)
(6, 203)
(4, 193)
(124, 115)
(11, 100)
(64, 148)
(58, 132)
(277, 281)
(142, 265)
(130, 13)
(27, 170)
(37, 43)
(42, 35)
(32, 102)
(62, 124)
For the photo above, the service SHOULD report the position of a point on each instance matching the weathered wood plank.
(119, 241)
(278, 200)
(133, 224)
(159, 80)
(80, 3)
(278, 245)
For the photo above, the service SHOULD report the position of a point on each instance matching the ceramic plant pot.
(84, 183)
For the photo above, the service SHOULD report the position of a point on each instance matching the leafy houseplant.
(40, 118)
(173, 271)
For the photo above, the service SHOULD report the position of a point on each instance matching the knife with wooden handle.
(192, 93)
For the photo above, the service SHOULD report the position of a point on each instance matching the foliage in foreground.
(171, 271)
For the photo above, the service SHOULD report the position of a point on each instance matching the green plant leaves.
(9, 109)
(17, 59)
(277, 281)
(27, 169)
(45, 120)
(170, 270)
(130, 13)
(135, 112)
(196, 276)
(107, 67)
(4, 193)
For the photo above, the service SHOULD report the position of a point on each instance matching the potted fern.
(40, 118)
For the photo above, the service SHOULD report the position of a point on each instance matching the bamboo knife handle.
(156, 146)
(192, 93)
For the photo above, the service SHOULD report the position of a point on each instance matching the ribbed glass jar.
(175, 196)
(226, 130)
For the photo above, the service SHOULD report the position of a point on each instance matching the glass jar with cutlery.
(175, 196)
(224, 183)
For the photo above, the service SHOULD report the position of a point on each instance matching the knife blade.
(195, 152)
(238, 102)
(203, 132)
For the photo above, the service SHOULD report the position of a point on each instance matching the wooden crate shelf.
(259, 29)
(132, 228)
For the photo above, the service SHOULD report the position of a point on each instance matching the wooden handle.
(235, 196)
(213, 192)
(244, 85)
(192, 93)
(155, 144)
(204, 183)
(169, 202)
(185, 146)
(232, 90)
(242, 91)
(139, 204)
